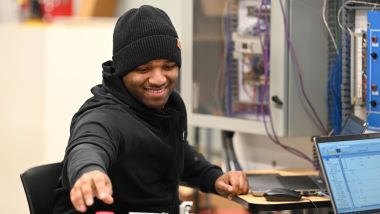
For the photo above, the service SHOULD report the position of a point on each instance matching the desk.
(254, 203)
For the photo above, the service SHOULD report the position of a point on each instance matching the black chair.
(39, 183)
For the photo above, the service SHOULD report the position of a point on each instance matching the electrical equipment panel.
(249, 66)
(358, 68)
(373, 70)
(251, 41)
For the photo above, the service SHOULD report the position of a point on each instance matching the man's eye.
(141, 69)
(170, 66)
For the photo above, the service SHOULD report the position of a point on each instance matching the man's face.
(153, 82)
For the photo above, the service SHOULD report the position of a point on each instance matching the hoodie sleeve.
(198, 172)
(92, 146)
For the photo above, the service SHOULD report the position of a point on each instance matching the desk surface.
(255, 203)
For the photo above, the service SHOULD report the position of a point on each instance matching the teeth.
(156, 91)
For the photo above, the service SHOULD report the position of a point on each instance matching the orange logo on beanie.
(178, 43)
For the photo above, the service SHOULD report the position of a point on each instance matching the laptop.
(351, 167)
(305, 185)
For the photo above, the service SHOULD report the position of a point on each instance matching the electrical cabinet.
(373, 66)
(223, 78)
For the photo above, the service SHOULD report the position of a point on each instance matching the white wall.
(21, 103)
(9, 11)
(72, 67)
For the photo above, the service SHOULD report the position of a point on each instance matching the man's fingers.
(221, 187)
(227, 188)
(234, 180)
(108, 199)
(76, 198)
(103, 187)
(90, 185)
(87, 192)
(239, 181)
(246, 185)
(243, 184)
(233, 183)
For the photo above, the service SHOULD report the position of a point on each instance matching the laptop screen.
(351, 166)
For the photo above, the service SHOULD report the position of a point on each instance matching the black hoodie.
(144, 151)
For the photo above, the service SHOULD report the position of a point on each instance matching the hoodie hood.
(112, 92)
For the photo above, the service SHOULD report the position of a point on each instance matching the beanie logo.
(178, 44)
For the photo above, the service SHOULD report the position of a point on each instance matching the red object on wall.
(55, 8)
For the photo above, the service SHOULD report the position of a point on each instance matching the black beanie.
(141, 35)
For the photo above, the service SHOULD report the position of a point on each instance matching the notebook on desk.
(350, 165)
(353, 125)
(259, 183)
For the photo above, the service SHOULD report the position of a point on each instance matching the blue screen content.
(352, 169)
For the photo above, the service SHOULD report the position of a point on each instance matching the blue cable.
(334, 87)
(227, 21)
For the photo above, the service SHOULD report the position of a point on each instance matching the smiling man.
(128, 146)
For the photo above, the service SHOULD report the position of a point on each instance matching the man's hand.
(232, 183)
(89, 185)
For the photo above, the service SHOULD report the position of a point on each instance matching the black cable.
(312, 203)
(229, 136)
(226, 151)
(232, 162)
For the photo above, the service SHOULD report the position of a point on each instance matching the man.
(127, 149)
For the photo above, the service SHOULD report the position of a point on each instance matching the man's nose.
(157, 77)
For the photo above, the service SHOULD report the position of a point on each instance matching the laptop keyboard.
(263, 182)
(297, 182)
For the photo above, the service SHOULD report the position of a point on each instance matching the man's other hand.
(89, 185)
(232, 183)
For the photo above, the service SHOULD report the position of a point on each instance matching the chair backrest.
(39, 183)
